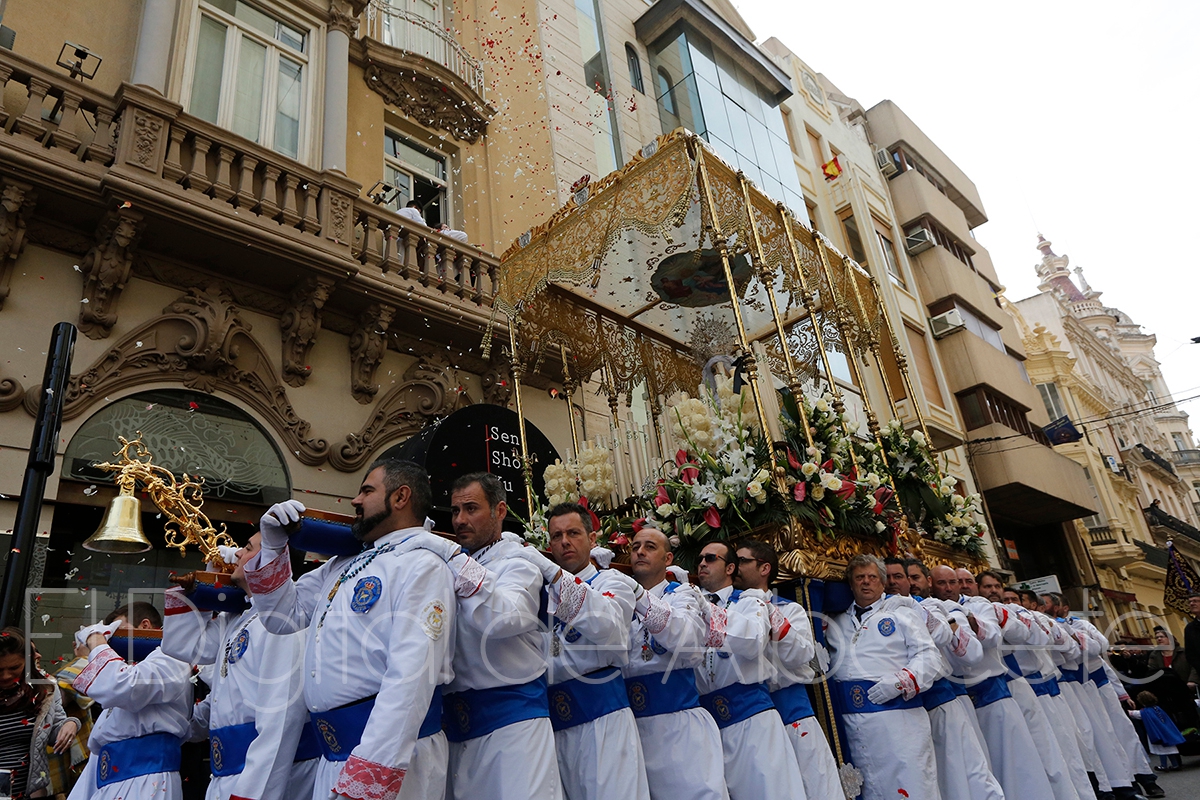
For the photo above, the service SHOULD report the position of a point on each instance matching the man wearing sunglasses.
(759, 762)
(792, 651)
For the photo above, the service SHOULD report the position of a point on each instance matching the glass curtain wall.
(700, 88)
(595, 75)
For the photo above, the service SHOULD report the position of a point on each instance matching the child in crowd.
(1161, 733)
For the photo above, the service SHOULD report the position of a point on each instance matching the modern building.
(1032, 493)
(1095, 366)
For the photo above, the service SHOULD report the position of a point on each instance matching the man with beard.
(497, 716)
(759, 762)
(255, 712)
(380, 635)
(1010, 747)
(1020, 639)
(680, 741)
(595, 735)
(882, 659)
(792, 651)
(962, 761)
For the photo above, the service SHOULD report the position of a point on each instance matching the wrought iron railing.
(1156, 516)
(415, 34)
(1155, 458)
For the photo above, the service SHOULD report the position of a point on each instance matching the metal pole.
(517, 371)
(43, 451)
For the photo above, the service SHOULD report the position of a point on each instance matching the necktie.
(714, 598)
(858, 612)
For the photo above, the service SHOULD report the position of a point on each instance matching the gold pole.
(810, 305)
(714, 231)
(569, 391)
(825, 693)
(517, 370)
(768, 280)
(872, 338)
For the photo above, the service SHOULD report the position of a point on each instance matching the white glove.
(641, 600)
(441, 547)
(679, 574)
(512, 537)
(428, 525)
(228, 554)
(603, 556)
(886, 690)
(273, 525)
(81, 635)
(550, 571)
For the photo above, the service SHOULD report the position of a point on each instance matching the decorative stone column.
(153, 56)
(343, 23)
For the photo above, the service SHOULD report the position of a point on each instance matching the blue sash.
(988, 691)
(960, 687)
(1071, 675)
(939, 694)
(133, 758)
(308, 746)
(227, 748)
(1014, 669)
(853, 696)
(1099, 677)
(737, 702)
(339, 730)
(472, 713)
(586, 698)
(1043, 686)
(793, 703)
(662, 693)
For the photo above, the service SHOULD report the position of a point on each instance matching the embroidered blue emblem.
(366, 594)
(887, 626)
(723, 654)
(656, 647)
(572, 635)
(239, 646)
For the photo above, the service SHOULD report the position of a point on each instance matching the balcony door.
(416, 26)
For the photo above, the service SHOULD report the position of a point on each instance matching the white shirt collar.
(395, 537)
(588, 572)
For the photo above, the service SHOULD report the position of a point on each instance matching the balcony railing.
(1102, 535)
(1155, 458)
(1156, 516)
(415, 34)
(1186, 457)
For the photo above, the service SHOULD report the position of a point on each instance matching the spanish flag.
(832, 169)
(1181, 581)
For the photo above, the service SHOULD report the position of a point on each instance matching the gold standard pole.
(768, 280)
(714, 231)
(517, 370)
(825, 694)
(839, 404)
(569, 391)
(872, 338)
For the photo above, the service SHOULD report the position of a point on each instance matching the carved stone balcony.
(1112, 547)
(77, 164)
(419, 67)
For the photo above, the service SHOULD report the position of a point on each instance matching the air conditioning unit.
(946, 324)
(918, 241)
(883, 160)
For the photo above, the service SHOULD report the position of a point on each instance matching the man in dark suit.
(1191, 634)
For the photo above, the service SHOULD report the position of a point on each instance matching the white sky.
(1075, 119)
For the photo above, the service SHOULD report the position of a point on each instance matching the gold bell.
(121, 529)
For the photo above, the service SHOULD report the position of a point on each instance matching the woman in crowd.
(28, 696)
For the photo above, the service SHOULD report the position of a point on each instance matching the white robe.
(1009, 742)
(501, 642)
(759, 762)
(682, 749)
(259, 682)
(387, 631)
(1110, 693)
(894, 748)
(602, 758)
(792, 652)
(152, 696)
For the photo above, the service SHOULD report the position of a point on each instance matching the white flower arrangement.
(590, 474)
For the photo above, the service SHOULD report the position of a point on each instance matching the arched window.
(635, 68)
(666, 92)
(188, 432)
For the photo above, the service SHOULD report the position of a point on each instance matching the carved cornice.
(299, 326)
(202, 342)
(16, 204)
(425, 91)
(106, 269)
(367, 346)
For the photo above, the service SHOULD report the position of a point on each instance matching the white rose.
(817, 493)
(808, 469)
(880, 527)
(821, 405)
(762, 476)
(665, 510)
(754, 488)
(919, 438)
(722, 500)
(589, 487)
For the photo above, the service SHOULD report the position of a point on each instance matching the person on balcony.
(255, 714)
(595, 735)
(732, 681)
(680, 741)
(412, 212)
(881, 659)
(135, 743)
(1010, 745)
(792, 650)
(379, 639)
(447, 231)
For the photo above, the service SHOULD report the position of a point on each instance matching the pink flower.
(712, 517)
(681, 457)
(828, 465)
(793, 462)
(620, 540)
(689, 474)
(800, 491)
(882, 495)
(847, 490)
(638, 524)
